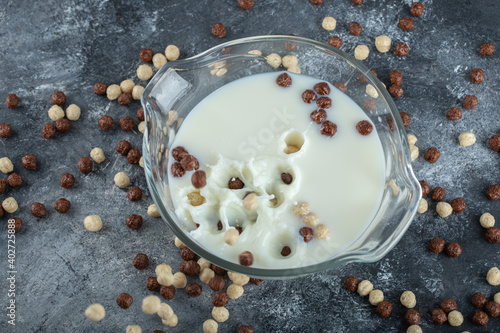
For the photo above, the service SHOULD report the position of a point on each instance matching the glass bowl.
(180, 85)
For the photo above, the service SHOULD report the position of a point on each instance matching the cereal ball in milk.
(329, 23)
(56, 113)
(321, 232)
(122, 180)
(487, 220)
(365, 287)
(73, 112)
(210, 326)
(172, 52)
(137, 92)
(92, 223)
(383, 44)
(6, 165)
(95, 312)
(375, 297)
(151, 304)
(127, 85)
(113, 92)
(231, 236)
(361, 52)
(97, 155)
(301, 209)
(159, 60)
(144, 72)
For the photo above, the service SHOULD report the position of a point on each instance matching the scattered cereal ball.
(422, 206)
(133, 329)
(361, 52)
(142, 126)
(493, 276)
(178, 243)
(329, 23)
(153, 211)
(310, 219)
(321, 232)
(375, 297)
(126, 86)
(414, 329)
(401, 50)
(365, 287)
(171, 321)
(455, 318)
(383, 43)
(444, 209)
(496, 298)
(137, 92)
(335, 42)
(237, 278)
(159, 60)
(246, 4)
(144, 72)
(480, 318)
(206, 275)
(12, 101)
(10, 205)
(220, 313)
(417, 9)
(301, 209)
(466, 139)
(97, 155)
(56, 113)
(384, 309)
(92, 223)
(124, 300)
(172, 52)
(165, 311)
(73, 112)
(231, 236)
(371, 91)
(165, 278)
(210, 326)
(6, 165)
(95, 312)
(487, 49)
(290, 61)
(5, 130)
(412, 139)
(203, 263)
(493, 192)
(274, 60)
(113, 92)
(180, 280)
(163, 268)
(469, 102)
(234, 291)
(219, 30)
(414, 152)
(141, 162)
(408, 299)
(487, 220)
(250, 202)
(151, 304)
(122, 180)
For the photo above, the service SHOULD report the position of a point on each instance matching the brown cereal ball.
(486, 49)
(480, 318)
(63, 125)
(324, 102)
(190, 267)
(328, 128)
(307, 234)
(309, 96)
(494, 142)
(133, 156)
(178, 153)
(453, 249)
(469, 102)
(141, 261)
(448, 305)
(167, 292)
(38, 209)
(106, 123)
(140, 114)
(125, 98)
(216, 283)
(364, 127)
(134, 194)
(62, 205)
(123, 147)
(187, 254)
(401, 50)
(100, 88)
(357, 2)
(246, 258)
(3, 186)
(284, 80)
(439, 316)
(335, 42)
(67, 180)
(396, 77)
(412, 317)
(478, 300)
(458, 205)
(12, 101)
(436, 245)
(177, 170)
(127, 123)
(190, 163)
(492, 309)
(355, 28)
(316, 2)
(454, 114)
(220, 299)
(351, 283)
(417, 9)
(493, 192)
(318, 116)
(218, 270)
(48, 131)
(476, 75)
(146, 55)
(406, 23)
(193, 289)
(5, 130)
(438, 194)
(219, 30)
(384, 309)
(322, 88)
(245, 329)
(124, 300)
(58, 98)
(245, 4)
(432, 155)
(426, 189)
(15, 180)
(406, 118)
(493, 235)
(134, 222)
(152, 284)
(235, 183)
(395, 91)
(85, 165)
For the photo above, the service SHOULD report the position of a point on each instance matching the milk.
(242, 130)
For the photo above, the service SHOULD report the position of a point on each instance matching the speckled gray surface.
(69, 45)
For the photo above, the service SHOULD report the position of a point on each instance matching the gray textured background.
(69, 45)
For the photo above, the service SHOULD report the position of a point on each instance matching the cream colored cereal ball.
(151, 304)
(412, 139)
(496, 298)
(171, 321)
(361, 52)
(142, 126)
(422, 206)
(251, 202)
(97, 155)
(10, 205)
(137, 92)
(414, 329)
(274, 60)
(206, 274)
(95, 312)
(310, 219)
(144, 72)
(164, 311)
(6, 165)
(159, 60)
(92, 223)
(231, 236)
(290, 61)
(56, 113)
(165, 278)
(444, 209)
(301, 209)
(204, 263)
(376, 296)
(73, 112)
(163, 268)
(122, 180)
(487, 220)
(493, 276)
(383, 43)
(365, 287)
(237, 278)
(329, 23)
(455, 318)
(234, 291)
(210, 326)
(172, 117)
(321, 232)
(141, 164)
(133, 329)
(172, 52)
(220, 313)
(414, 152)
(371, 91)
(294, 69)
(178, 243)
(466, 139)
(113, 92)
(180, 280)
(408, 299)
(255, 52)
(153, 211)
(127, 86)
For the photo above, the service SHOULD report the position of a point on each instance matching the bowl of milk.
(278, 156)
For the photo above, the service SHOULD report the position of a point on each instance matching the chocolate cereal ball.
(492, 309)
(396, 77)
(134, 194)
(133, 156)
(106, 123)
(167, 292)
(417, 9)
(38, 209)
(58, 98)
(219, 30)
(439, 316)
(48, 131)
(487, 49)
(141, 261)
(493, 192)
(187, 254)
(480, 318)
(125, 98)
(63, 125)
(67, 180)
(246, 4)
(454, 114)
(476, 75)
(384, 309)
(100, 88)
(401, 50)
(194, 290)
(140, 114)
(453, 249)
(493, 235)
(448, 305)
(335, 42)
(412, 317)
(146, 55)
(216, 283)
(220, 299)
(478, 300)
(458, 205)
(494, 143)
(123, 147)
(190, 267)
(18, 223)
(436, 245)
(124, 300)
(438, 194)
(29, 162)
(406, 23)
(395, 91)
(426, 189)
(355, 28)
(5, 130)
(127, 123)
(432, 155)
(85, 164)
(134, 222)
(12, 101)
(3, 186)
(245, 328)
(152, 284)
(15, 180)
(469, 102)
(62, 205)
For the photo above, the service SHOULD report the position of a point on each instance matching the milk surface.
(241, 130)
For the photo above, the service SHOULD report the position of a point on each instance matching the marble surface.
(69, 45)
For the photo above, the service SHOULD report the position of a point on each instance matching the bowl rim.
(284, 273)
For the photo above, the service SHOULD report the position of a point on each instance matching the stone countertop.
(69, 45)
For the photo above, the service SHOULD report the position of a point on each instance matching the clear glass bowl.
(181, 85)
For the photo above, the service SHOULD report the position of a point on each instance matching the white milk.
(239, 131)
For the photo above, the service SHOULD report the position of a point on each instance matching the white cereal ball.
(361, 52)
(159, 60)
(422, 206)
(365, 287)
(163, 268)
(95, 312)
(466, 139)
(142, 126)
(220, 313)
(301, 209)
(122, 180)
(412, 139)
(137, 92)
(113, 92)
(255, 52)
(329, 23)
(141, 163)
(237, 278)
(165, 311)
(151, 304)
(165, 278)
(414, 329)
(375, 297)
(493, 276)
(133, 329)
(231, 236)
(274, 60)
(294, 69)
(321, 232)
(414, 152)
(496, 298)
(383, 44)
(73, 112)
(153, 211)
(234, 291)
(172, 52)
(56, 113)
(92, 223)
(171, 321)
(290, 61)
(127, 86)
(180, 280)
(210, 326)
(179, 243)
(97, 155)
(204, 263)
(371, 91)
(144, 72)
(455, 318)
(10, 205)
(408, 299)
(444, 209)
(6, 165)
(487, 220)
(206, 274)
